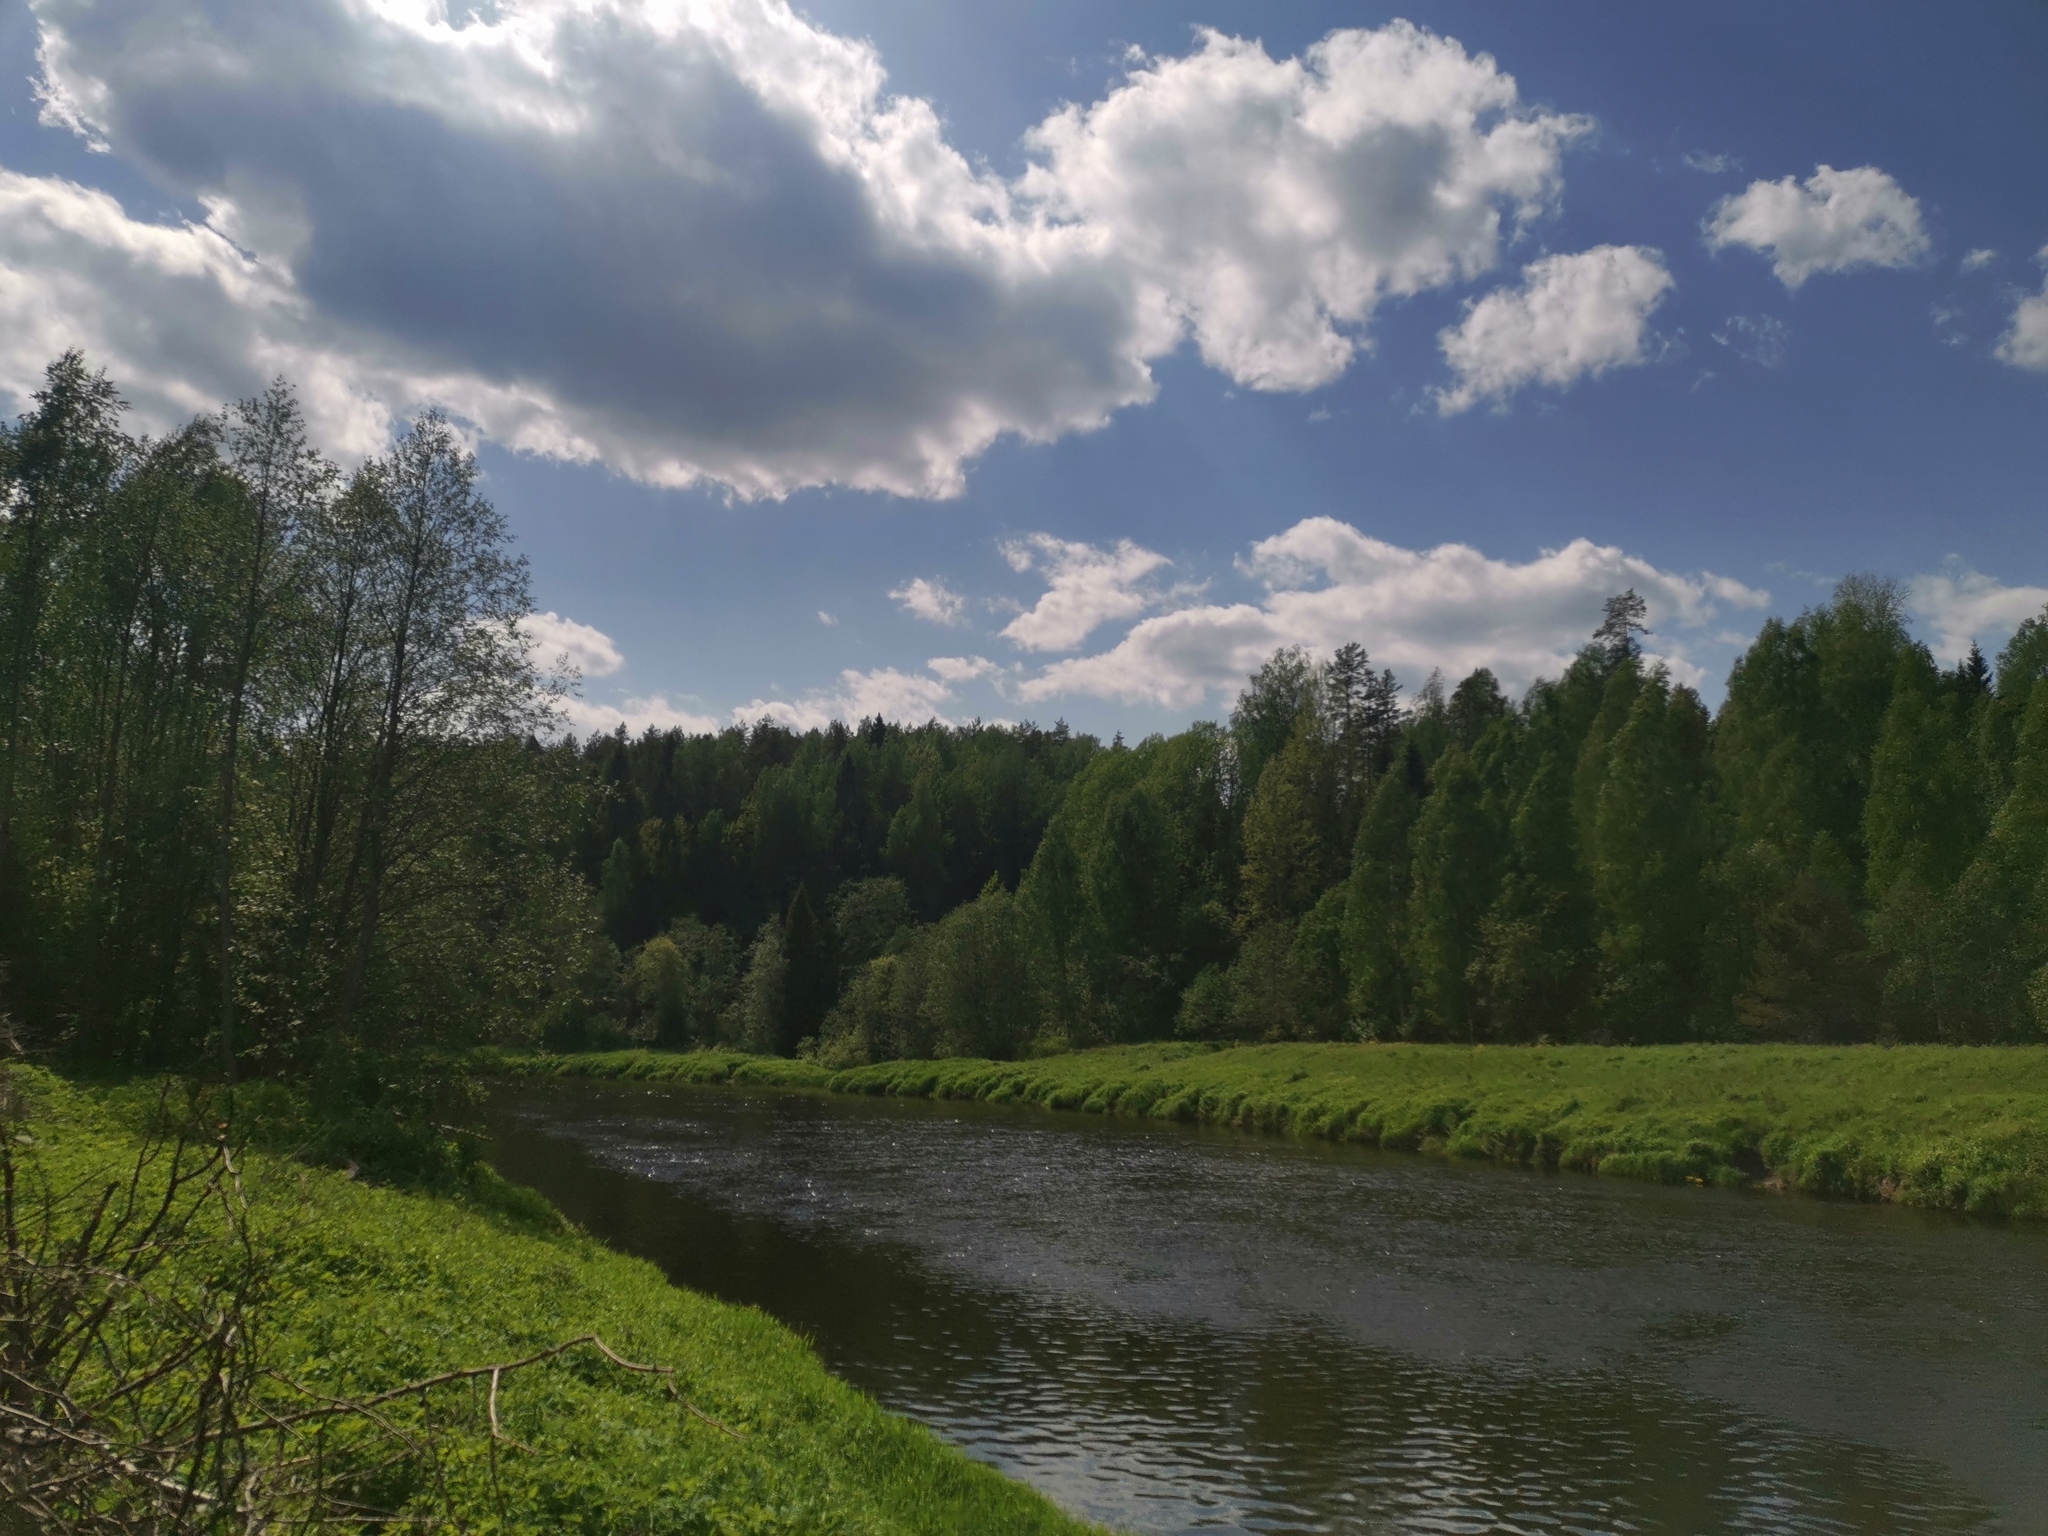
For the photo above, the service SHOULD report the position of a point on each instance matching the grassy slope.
(1955, 1128)
(375, 1287)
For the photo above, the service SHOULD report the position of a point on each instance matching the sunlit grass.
(1961, 1128)
(370, 1288)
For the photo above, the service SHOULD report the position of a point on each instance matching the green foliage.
(1376, 908)
(1961, 1130)
(1134, 883)
(1931, 1126)
(268, 768)
(367, 1289)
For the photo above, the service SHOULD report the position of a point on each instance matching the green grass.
(1956, 1128)
(373, 1287)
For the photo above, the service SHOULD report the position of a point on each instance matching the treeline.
(1855, 848)
(271, 793)
(280, 792)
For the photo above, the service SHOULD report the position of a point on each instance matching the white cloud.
(1271, 204)
(827, 619)
(1977, 260)
(1087, 586)
(1414, 610)
(588, 651)
(653, 713)
(2025, 343)
(962, 669)
(180, 317)
(1712, 165)
(932, 601)
(1960, 605)
(703, 243)
(1572, 317)
(1836, 222)
(887, 692)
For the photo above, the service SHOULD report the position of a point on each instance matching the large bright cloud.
(1836, 221)
(1450, 607)
(2025, 343)
(1572, 317)
(1961, 606)
(1086, 586)
(1272, 203)
(702, 242)
(180, 317)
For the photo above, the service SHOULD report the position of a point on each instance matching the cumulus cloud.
(703, 243)
(2025, 343)
(1836, 221)
(962, 669)
(1087, 586)
(932, 601)
(589, 651)
(1977, 260)
(1414, 610)
(1271, 204)
(886, 691)
(175, 312)
(1572, 317)
(652, 713)
(1959, 605)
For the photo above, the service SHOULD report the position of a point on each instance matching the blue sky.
(1058, 360)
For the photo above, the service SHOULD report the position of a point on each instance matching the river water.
(1172, 1330)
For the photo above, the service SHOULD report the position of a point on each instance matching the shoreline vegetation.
(1940, 1127)
(357, 1289)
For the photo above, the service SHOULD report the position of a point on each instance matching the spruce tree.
(1652, 838)
(1460, 843)
(810, 978)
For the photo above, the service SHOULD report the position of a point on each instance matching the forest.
(284, 791)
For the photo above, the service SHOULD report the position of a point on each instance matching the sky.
(1060, 361)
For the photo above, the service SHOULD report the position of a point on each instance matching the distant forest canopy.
(1855, 848)
(279, 792)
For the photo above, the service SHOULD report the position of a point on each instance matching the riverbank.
(1951, 1128)
(367, 1288)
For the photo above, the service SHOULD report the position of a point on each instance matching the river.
(1171, 1330)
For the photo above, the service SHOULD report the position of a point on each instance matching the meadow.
(1951, 1128)
(366, 1288)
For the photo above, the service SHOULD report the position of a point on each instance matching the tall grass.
(1956, 1128)
(367, 1288)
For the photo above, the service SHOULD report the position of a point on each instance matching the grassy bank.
(368, 1288)
(1946, 1127)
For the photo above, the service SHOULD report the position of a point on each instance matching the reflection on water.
(1174, 1331)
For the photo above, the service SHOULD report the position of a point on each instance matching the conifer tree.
(810, 979)
(1652, 838)
(1460, 844)
(1290, 830)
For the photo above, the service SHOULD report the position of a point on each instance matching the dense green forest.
(1853, 849)
(283, 790)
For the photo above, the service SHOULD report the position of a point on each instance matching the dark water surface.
(1170, 1330)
